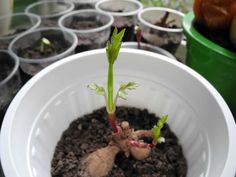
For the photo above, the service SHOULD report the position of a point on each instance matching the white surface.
(46, 105)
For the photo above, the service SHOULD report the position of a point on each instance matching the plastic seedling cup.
(50, 11)
(29, 49)
(124, 13)
(91, 27)
(166, 36)
(198, 115)
(9, 80)
(14, 24)
(148, 47)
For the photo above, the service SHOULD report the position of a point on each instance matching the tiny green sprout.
(44, 41)
(157, 130)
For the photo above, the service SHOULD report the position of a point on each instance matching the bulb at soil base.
(233, 31)
(140, 153)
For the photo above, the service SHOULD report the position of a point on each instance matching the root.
(140, 153)
(100, 162)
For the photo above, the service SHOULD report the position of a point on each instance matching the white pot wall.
(47, 104)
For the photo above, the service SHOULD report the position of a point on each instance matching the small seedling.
(124, 138)
(138, 37)
(43, 43)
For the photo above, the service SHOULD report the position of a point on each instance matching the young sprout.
(138, 36)
(44, 41)
(157, 130)
(124, 138)
(112, 51)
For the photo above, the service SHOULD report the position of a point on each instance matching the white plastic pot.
(57, 95)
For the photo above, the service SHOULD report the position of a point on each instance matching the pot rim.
(48, 59)
(71, 7)
(13, 70)
(120, 14)
(190, 31)
(61, 19)
(150, 25)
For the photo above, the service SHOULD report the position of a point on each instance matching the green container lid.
(215, 63)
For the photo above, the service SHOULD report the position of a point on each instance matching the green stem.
(41, 46)
(110, 89)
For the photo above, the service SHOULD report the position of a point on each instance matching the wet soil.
(90, 132)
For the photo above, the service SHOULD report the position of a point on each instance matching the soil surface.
(31, 50)
(221, 37)
(6, 68)
(90, 132)
(10, 88)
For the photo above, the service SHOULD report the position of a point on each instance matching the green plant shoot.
(44, 41)
(112, 51)
(157, 130)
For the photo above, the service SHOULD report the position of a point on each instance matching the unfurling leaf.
(124, 87)
(113, 47)
(157, 129)
(129, 86)
(123, 95)
(98, 89)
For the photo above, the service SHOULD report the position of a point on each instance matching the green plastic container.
(215, 63)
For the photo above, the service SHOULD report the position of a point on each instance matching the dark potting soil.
(6, 67)
(90, 132)
(10, 88)
(221, 37)
(80, 6)
(32, 50)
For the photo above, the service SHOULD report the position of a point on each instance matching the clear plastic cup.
(28, 47)
(92, 28)
(50, 11)
(14, 24)
(10, 81)
(124, 13)
(168, 38)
